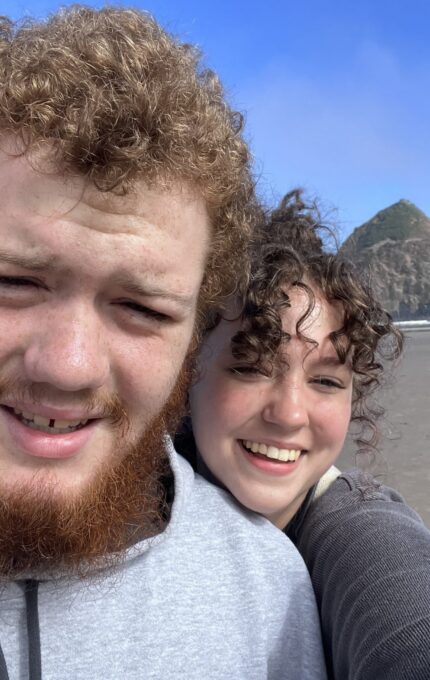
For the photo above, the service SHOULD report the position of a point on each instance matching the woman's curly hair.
(118, 99)
(289, 251)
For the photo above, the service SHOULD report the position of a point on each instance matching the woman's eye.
(323, 381)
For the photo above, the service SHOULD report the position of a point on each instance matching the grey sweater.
(368, 554)
(219, 595)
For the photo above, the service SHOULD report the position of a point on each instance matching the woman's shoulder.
(351, 501)
(368, 554)
(357, 496)
(359, 521)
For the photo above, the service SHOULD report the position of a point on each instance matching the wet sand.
(404, 460)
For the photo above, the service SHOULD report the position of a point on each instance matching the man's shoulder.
(213, 516)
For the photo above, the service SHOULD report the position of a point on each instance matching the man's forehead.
(160, 235)
(141, 198)
(35, 186)
(141, 208)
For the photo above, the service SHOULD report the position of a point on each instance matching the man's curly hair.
(117, 99)
(289, 251)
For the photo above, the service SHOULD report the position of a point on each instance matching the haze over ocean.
(337, 95)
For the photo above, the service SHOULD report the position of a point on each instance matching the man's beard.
(44, 533)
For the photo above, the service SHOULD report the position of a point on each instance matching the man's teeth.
(272, 451)
(51, 425)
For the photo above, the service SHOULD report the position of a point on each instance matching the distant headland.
(394, 247)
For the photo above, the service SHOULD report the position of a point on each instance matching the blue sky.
(336, 94)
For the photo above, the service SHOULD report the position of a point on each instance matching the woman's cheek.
(334, 420)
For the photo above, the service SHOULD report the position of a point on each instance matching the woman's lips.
(39, 444)
(270, 466)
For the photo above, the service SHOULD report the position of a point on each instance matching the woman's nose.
(286, 405)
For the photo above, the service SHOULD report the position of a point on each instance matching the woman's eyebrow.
(328, 361)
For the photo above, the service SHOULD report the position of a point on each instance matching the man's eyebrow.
(152, 290)
(37, 262)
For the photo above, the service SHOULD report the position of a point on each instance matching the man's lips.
(41, 441)
(51, 412)
(50, 426)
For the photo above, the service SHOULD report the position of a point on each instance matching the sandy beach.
(404, 458)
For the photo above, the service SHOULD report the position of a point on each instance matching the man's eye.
(145, 311)
(16, 282)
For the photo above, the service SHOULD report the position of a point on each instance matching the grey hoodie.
(219, 594)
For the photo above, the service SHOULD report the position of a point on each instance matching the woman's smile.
(268, 436)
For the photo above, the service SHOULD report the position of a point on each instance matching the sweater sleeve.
(368, 554)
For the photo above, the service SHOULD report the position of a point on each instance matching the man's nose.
(68, 350)
(286, 405)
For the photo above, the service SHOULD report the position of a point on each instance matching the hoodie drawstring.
(33, 634)
(4, 675)
(34, 658)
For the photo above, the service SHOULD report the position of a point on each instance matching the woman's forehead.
(324, 318)
(219, 339)
(316, 318)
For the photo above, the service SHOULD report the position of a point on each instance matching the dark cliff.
(394, 246)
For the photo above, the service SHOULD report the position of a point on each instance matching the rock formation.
(394, 247)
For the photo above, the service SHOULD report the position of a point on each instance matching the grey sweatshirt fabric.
(368, 554)
(220, 594)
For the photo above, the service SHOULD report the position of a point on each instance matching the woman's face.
(269, 439)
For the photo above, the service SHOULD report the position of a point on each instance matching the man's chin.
(48, 485)
(49, 525)
(64, 518)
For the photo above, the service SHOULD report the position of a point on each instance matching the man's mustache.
(94, 405)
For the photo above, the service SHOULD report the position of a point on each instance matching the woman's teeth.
(49, 425)
(273, 452)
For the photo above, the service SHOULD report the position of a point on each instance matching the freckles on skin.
(49, 202)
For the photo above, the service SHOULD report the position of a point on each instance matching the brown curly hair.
(119, 99)
(291, 250)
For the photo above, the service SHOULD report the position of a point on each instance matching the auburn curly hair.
(288, 251)
(118, 99)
